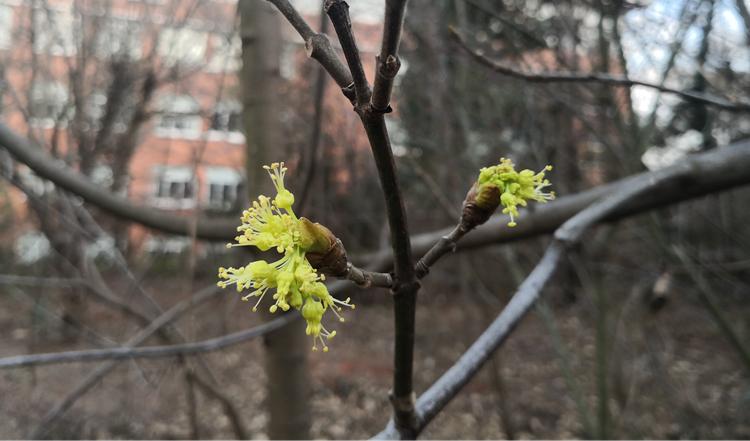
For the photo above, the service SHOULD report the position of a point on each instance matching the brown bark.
(286, 349)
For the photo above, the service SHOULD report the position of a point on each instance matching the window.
(222, 187)
(182, 46)
(48, 104)
(55, 32)
(226, 123)
(179, 117)
(174, 187)
(226, 54)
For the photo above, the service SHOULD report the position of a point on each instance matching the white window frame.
(225, 110)
(166, 177)
(176, 107)
(226, 178)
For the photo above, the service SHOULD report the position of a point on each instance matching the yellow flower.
(516, 188)
(273, 224)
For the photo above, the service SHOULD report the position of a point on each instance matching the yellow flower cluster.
(516, 188)
(271, 224)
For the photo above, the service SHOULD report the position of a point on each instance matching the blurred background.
(176, 105)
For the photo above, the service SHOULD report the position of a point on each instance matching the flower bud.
(324, 251)
(314, 237)
(481, 201)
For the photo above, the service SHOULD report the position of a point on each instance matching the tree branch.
(367, 279)
(388, 64)
(97, 374)
(318, 47)
(569, 234)
(720, 169)
(66, 178)
(229, 408)
(596, 77)
(338, 12)
(317, 129)
(405, 285)
(446, 244)
(710, 172)
(130, 352)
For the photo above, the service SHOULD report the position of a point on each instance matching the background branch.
(66, 178)
(129, 352)
(593, 77)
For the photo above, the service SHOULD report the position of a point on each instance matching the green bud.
(314, 237)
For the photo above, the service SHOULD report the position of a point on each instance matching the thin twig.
(317, 129)
(338, 12)
(229, 408)
(388, 63)
(97, 374)
(367, 279)
(594, 77)
(705, 296)
(128, 351)
(446, 244)
(192, 410)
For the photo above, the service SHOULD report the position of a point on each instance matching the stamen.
(341, 319)
(263, 294)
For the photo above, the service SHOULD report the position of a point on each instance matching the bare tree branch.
(712, 171)
(318, 47)
(568, 235)
(66, 178)
(446, 244)
(705, 295)
(338, 12)
(595, 77)
(388, 63)
(226, 402)
(367, 279)
(745, 14)
(97, 374)
(317, 129)
(130, 352)
(405, 285)
(719, 173)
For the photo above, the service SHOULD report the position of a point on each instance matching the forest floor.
(672, 375)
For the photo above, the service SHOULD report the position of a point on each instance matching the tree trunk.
(287, 348)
